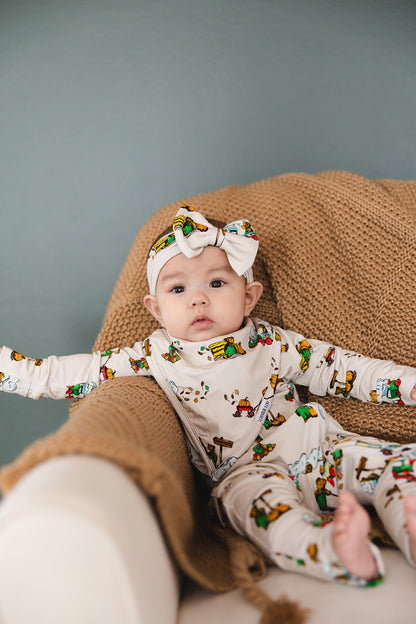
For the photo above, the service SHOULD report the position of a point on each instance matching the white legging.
(284, 517)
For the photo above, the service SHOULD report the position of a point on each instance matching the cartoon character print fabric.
(239, 388)
(245, 425)
(191, 233)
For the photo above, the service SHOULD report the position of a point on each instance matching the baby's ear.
(152, 305)
(253, 294)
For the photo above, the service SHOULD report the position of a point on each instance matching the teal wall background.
(110, 109)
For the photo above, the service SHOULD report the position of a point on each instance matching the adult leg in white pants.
(79, 543)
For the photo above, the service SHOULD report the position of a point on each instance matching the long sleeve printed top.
(228, 391)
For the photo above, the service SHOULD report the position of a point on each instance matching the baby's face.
(202, 297)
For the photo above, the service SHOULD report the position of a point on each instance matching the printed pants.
(285, 516)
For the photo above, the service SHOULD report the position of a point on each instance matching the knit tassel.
(284, 611)
(281, 611)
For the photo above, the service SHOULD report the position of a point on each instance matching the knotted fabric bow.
(191, 233)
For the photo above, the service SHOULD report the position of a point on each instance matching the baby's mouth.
(201, 322)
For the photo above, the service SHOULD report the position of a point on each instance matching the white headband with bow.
(191, 233)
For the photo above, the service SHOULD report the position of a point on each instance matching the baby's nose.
(199, 298)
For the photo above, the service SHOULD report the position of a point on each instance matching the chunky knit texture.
(337, 259)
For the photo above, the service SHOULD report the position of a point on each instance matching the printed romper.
(275, 465)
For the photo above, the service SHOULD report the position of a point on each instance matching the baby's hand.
(413, 393)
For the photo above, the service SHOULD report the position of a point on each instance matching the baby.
(275, 466)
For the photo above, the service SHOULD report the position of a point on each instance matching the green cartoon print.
(337, 457)
(306, 412)
(248, 230)
(210, 452)
(226, 349)
(105, 371)
(80, 389)
(261, 450)
(162, 243)
(328, 472)
(235, 226)
(264, 515)
(138, 365)
(343, 387)
(187, 224)
(314, 521)
(369, 477)
(290, 394)
(172, 355)
(403, 471)
(298, 561)
(262, 336)
(304, 350)
(387, 390)
(109, 353)
(274, 421)
(321, 494)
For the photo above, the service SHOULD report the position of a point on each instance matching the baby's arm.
(67, 376)
(328, 369)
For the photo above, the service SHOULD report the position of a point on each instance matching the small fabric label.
(263, 410)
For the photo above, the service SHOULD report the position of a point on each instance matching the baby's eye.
(177, 289)
(217, 283)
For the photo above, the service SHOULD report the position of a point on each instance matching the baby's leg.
(264, 504)
(350, 537)
(395, 500)
(410, 515)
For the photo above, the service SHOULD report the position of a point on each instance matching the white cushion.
(79, 544)
(392, 602)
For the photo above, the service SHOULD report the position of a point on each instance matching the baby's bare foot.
(410, 512)
(350, 538)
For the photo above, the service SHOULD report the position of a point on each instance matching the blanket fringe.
(284, 611)
(280, 611)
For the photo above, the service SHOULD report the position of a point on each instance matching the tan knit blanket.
(337, 259)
